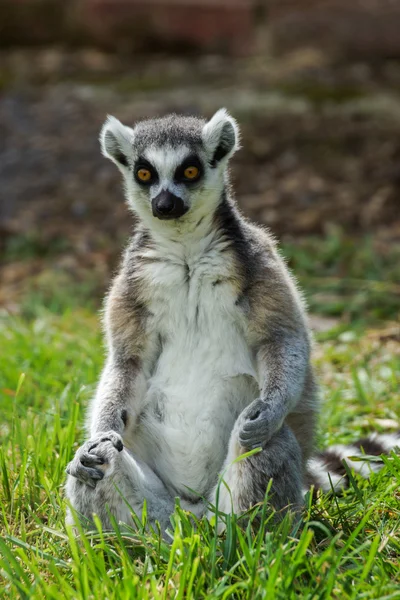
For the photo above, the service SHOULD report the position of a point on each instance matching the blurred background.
(315, 85)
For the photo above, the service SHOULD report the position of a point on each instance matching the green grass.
(344, 547)
(356, 279)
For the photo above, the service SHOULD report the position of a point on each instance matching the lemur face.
(173, 166)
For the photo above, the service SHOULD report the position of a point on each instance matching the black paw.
(255, 425)
(92, 459)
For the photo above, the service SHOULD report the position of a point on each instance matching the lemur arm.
(282, 350)
(114, 403)
(109, 410)
(124, 317)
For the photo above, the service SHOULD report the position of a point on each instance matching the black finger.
(116, 442)
(88, 459)
(255, 415)
(250, 430)
(246, 439)
(85, 474)
(89, 473)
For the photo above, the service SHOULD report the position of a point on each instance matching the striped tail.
(326, 470)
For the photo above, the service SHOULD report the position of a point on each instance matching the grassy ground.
(347, 547)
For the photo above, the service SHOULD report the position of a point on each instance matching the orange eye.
(144, 175)
(191, 172)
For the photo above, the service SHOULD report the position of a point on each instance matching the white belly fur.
(203, 378)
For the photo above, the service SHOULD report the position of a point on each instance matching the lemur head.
(174, 168)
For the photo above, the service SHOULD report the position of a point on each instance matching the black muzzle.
(168, 206)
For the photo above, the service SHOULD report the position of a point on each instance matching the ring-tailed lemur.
(208, 343)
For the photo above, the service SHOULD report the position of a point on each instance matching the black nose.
(167, 206)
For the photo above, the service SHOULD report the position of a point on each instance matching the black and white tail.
(326, 470)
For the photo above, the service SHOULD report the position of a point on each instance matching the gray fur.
(208, 345)
(120, 492)
(173, 130)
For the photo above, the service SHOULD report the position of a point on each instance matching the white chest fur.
(204, 374)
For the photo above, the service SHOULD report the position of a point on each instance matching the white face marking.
(166, 160)
(200, 200)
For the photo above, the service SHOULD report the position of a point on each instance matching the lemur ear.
(221, 136)
(116, 141)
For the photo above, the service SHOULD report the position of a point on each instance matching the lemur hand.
(87, 463)
(257, 424)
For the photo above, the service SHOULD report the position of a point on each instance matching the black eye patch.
(190, 161)
(144, 164)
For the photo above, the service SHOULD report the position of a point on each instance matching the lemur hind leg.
(104, 478)
(248, 478)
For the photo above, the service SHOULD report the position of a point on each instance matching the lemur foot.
(95, 458)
